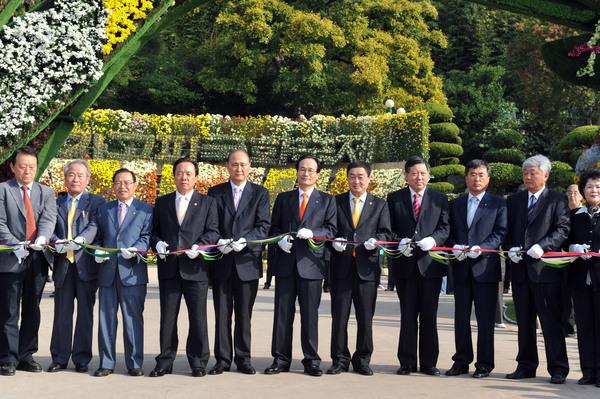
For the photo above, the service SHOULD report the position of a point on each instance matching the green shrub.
(505, 178)
(446, 132)
(506, 155)
(560, 179)
(442, 186)
(572, 145)
(449, 161)
(438, 113)
(439, 172)
(508, 138)
(558, 165)
(442, 150)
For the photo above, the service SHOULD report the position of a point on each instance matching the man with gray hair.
(538, 222)
(75, 271)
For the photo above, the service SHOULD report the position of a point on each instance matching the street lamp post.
(389, 104)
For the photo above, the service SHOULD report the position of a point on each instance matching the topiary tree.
(571, 146)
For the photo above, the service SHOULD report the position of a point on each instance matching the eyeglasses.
(239, 165)
(123, 183)
(308, 171)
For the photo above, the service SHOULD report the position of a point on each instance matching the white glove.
(21, 253)
(535, 252)
(514, 255)
(194, 252)
(75, 244)
(339, 245)
(426, 243)
(100, 259)
(404, 247)
(474, 252)
(304, 234)
(39, 243)
(161, 249)
(128, 253)
(224, 246)
(239, 244)
(459, 252)
(370, 244)
(581, 248)
(286, 243)
(61, 246)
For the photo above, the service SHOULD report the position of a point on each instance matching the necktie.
(30, 228)
(472, 208)
(181, 208)
(356, 211)
(417, 205)
(303, 205)
(236, 197)
(122, 212)
(70, 219)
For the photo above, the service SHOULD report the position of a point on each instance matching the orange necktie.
(30, 228)
(303, 205)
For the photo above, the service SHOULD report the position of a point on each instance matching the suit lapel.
(408, 202)
(245, 199)
(346, 208)
(313, 201)
(62, 208)
(129, 216)
(295, 206)
(228, 194)
(424, 206)
(16, 193)
(82, 205)
(366, 211)
(36, 193)
(190, 209)
(480, 209)
(539, 205)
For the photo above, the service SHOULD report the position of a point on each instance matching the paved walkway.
(384, 384)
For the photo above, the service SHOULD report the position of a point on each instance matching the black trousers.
(195, 295)
(64, 344)
(233, 295)
(419, 299)
(308, 292)
(485, 297)
(545, 301)
(345, 292)
(587, 317)
(21, 293)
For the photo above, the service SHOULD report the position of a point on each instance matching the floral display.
(279, 181)
(122, 17)
(384, 181)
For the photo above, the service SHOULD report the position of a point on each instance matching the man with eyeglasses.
(243, 216)
(298, 267)
(126, 224)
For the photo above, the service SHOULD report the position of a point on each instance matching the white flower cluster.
(44, 57)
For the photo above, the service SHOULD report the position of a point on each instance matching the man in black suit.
(477, 220)
(354, 270)
(75, 272)
(182, 220)
(298, 269)
(243, 215)
(538, 221)
(419, 215)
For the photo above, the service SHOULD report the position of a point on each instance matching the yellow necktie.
(356, 211)
(70, 217)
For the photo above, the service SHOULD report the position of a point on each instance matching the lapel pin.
(370, 203)
(195, 204)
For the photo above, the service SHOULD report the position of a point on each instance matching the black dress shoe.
(102, 372)
(7, 370)
(405, 370)
(586, 380)
(430, 371)
(520, 374)
(266, 286)
(135, 372)
(159, 371)
(276, 369)
(219, 368)
(363, 369)
(558, 379)
(337, 368)
(481, 373)
(29, 365)
(314, 371)
(457, 370)
(198, 372)
(246, 368)
(81, 368)
(54, 367)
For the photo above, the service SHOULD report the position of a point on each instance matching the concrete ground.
(384, 384)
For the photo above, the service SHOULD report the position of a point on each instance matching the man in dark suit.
(184, 219)
(419, 215)
(27, 213)
(538, 221)
(125, 223)
(477, 220)
(354, 270)
(74, 272)
(243, 215)
(298, 269)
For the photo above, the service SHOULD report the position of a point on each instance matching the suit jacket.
(548, 226)
(487, 230)
(250, 220)
(319, 216)
(584, 230)
(200, 226)
(374, 222)
(85, 224)
(134, 232)
(12, 219)
(433, 222)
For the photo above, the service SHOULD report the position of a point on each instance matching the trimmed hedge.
(562, 175)
(506, 139)
(505, 177)
(572, 145)
(442, 186)
(438, 113)
(506, 155)
(444, 131)
(442, 171)
(441, 150)
(449, 161)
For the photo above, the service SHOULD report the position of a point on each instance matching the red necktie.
(303, 205)
(417, 205)
(30, 229)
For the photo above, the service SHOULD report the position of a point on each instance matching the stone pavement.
(384, 384)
